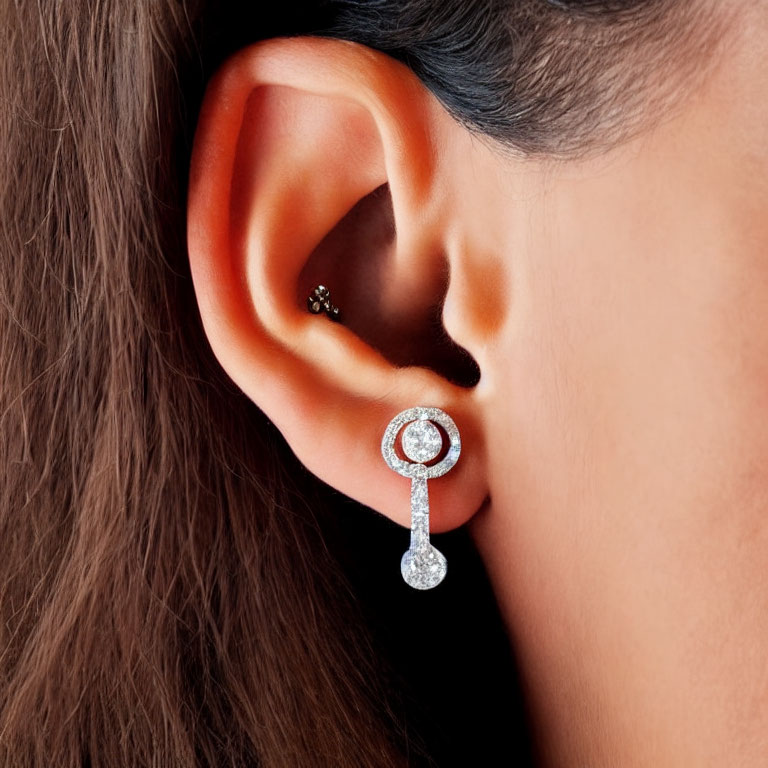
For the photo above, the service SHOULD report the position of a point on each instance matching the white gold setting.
(422, 566)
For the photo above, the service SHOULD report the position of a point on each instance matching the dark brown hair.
(168, 590)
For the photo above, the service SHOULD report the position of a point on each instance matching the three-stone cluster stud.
(320, 301)
(430, 443)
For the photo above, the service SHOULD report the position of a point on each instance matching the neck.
(637, 651)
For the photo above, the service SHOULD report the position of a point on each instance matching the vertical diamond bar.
(419, 513)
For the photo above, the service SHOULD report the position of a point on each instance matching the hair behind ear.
(166, 595)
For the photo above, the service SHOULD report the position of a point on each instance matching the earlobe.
(293, 136)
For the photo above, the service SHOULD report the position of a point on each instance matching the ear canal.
(404, 323)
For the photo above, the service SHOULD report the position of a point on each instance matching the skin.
(614, 473)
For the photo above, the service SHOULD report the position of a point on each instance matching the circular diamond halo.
(417, 469)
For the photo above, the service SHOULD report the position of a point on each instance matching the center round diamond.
(422, 441)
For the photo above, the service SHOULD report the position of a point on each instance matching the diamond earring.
(422, 566)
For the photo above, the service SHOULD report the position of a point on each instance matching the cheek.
(620, 393)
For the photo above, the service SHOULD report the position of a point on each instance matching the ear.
(318, 162)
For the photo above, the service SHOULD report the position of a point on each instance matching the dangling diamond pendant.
(422, 565)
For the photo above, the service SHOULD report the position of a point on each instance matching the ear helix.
(422, 565)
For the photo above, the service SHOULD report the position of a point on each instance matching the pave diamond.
(423, 568)
(422, 441)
